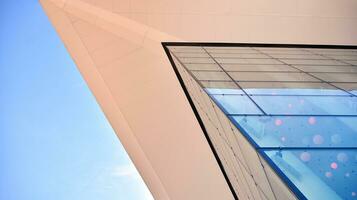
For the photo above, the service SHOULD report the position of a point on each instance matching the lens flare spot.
(290, 105)
(353, 194)
(318, 139)
(342, 157)
(283, 139)
(305, 156)
(278, 122)
(333, 165)
(347, 174)
(312, 120)
(328, 174)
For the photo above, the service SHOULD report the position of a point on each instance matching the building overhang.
(120, 55)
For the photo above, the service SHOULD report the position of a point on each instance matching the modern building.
(208, 107)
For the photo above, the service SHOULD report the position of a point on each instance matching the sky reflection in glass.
(300, 131)
(236, 104)
(307, 105)
(320, 174)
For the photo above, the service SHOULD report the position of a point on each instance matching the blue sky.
(55, 142)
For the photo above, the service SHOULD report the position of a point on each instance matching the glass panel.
(312, 62)
(220, 87)
(329, 52)
(229, 50)
(282, 51)
(192, 55)
(271, 76)
(208, 75)
(236, 104)
(300, 131)
(320, 174)
(290, 88)
(298, 56)
(344, 57)
(350, 87)
(238, 55)
(187, 49)
(261, 68)
(308, 105)
(309, 68)
(352, 62)
(337, 77)
(196, 60)
(196, 66)
(249, 61)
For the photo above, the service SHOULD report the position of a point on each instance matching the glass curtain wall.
(280, 119)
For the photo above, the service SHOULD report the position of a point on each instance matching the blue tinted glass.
(223, 91)
(300, 131)
(294, 91)
(221, 87)
(320, 174)
(308, 105)
(350, 87)
(236, 104)
(290, 88)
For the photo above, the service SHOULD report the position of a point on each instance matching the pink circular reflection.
(334, 165)
(278, 122)
(328, 174)
(305, 156)
(290, 105)
(353, 194)
(283, 139)
(318, 139)
(312, 120)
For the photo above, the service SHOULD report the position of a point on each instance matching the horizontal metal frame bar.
(273, 45)
(285, 95)
(257, 58)
(270, 53)
(293, 72)
(332, 82)
(306, 148)
(243, 58)
(224, 63)
(287, 115)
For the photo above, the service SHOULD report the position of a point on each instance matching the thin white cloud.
(127, 170)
